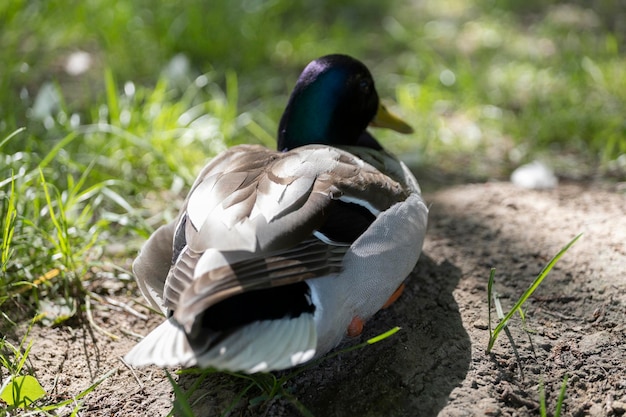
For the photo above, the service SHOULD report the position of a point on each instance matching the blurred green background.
(109, 108)
(510, 79)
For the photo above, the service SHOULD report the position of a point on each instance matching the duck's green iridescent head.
(332, 103)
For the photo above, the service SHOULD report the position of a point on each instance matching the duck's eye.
(365, 86)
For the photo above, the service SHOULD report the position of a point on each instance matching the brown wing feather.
(308, 260)
(250, 217)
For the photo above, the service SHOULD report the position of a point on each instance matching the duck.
(277, 256)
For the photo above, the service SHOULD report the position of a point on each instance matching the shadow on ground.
(411, 373)
(576, 315)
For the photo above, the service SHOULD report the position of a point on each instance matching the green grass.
(22, 392)
(517, 308)
(62, 208)
(93, 159)
(523, 81)
(543, 409)
(493, 300)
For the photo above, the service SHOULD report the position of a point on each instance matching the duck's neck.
(313, 115)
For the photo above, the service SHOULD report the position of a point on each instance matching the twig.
(93, 323)
(130, 333)
(560, 315)
(126, 308)
(132, 371)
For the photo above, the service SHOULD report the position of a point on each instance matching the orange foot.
(396, 294)
(355, 327)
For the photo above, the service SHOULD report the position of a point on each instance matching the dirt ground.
(437, 364)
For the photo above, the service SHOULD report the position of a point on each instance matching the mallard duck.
(277, 255)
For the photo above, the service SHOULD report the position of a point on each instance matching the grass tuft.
(502, 325)
(493, 334)
(543, 409)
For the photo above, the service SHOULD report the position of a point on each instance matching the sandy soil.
(437, 363)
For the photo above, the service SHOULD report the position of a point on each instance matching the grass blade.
(559, 403)
(11, 136)
(492, 277)
(543, 411)
(383, 336)
(111, 93)
(53, 152)
(181, 405)
(80, 395)
(546, 270)
(8, 227)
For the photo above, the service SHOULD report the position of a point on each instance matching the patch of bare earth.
(437, 363)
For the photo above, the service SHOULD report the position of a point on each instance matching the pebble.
(481, 325)
(489, 407)
(591, 342)
(618, 407)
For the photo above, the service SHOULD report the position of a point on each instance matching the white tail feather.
(265, 346)
(165, 346)
(260, 346)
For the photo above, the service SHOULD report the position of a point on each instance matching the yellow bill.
(384, 118)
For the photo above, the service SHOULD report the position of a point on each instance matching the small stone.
(596, 410)
(481, 325)
(619, 407)
(546, 346)
(488, 407)
(591, 342)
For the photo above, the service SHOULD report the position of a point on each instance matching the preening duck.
(277, 255)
